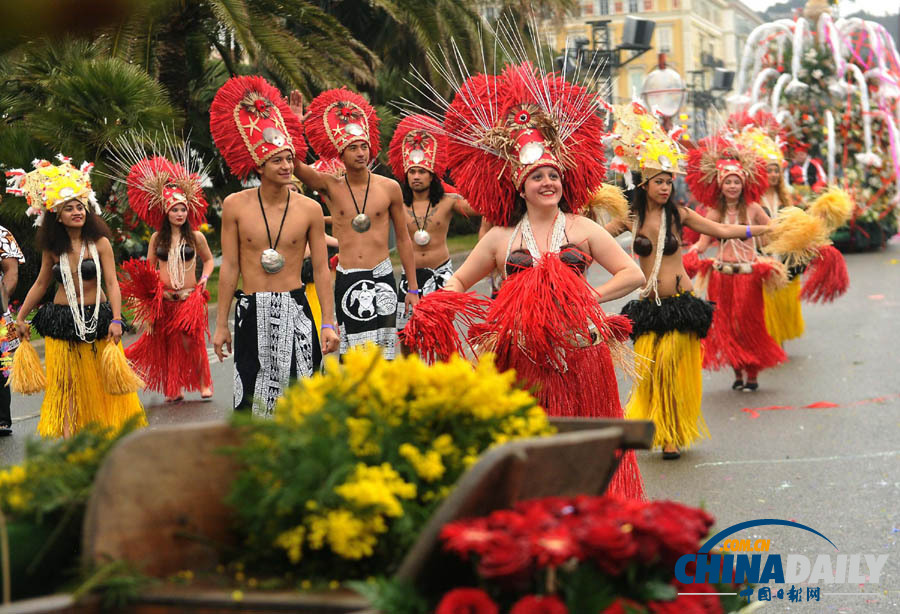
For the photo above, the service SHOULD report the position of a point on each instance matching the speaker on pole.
(723, 79)
(637, 33)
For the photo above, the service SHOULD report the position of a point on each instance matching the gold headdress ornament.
(51, 185)
(641, 145)
(757, 139)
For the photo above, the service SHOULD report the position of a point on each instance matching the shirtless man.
(418, 152)
(265, 232)
(341, 124)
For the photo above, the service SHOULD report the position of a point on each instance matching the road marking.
(28, 417)
(818, 459)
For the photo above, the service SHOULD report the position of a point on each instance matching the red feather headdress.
(418, 141)
(159, 177)
(250, 122)
(339, 117)
(715, 158)
(155, 185)
(501, 128)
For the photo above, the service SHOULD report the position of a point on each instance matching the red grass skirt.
(586, 389)
(738, 337)
(171, 357)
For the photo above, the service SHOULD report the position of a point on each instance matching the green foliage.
(57, 474)
(392, 596)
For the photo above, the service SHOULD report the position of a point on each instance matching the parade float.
(375, 488)
(834, 85)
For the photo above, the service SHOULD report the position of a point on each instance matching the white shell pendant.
(271, 261)
(361, 223)
(421, 237)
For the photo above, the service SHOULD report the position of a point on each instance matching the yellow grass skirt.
(75, 396)
(784, 316)
(670, 388)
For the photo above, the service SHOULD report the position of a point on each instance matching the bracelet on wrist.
(331, 326)
(117, 321)
(749, 234)
(416, 292)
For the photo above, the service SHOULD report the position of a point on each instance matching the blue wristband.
(119, 322)
(331, 326)
(416, 292)
(749, 234)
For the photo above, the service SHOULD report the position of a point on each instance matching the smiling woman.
(83, 326)
(546, 322)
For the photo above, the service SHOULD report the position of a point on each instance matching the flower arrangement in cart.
(339, 484)
(584, 554)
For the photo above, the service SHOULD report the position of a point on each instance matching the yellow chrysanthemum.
(291, 541)
(428, 466)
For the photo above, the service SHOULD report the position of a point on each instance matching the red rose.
(554, 547)
(610, 544)
(467, 601)
(505, 557)
(534, 604)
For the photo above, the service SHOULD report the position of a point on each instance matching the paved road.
(835, 469)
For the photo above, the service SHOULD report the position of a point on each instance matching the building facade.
(696, 37)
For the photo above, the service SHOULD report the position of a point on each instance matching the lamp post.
(663, 92)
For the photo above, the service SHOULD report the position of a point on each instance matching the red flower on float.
(624, 606)
(467, 537)
(505, 557)
(535, 604)
(467, 601)
(554, 547)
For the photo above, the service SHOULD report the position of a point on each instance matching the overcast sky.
(876, 7)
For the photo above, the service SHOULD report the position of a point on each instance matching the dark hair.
(639, 208)
(520, 207)
(722, 208)
(435, 190)
(164, 238)
(52, 235)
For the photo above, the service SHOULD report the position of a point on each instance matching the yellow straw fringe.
(27, 375)
(312, 298)
(117, 375)
(75, 393)
(671, 388)
(784, 316)
(610, 200)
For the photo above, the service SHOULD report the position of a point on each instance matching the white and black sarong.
(429, 280)
(274, 343)
(366, 307)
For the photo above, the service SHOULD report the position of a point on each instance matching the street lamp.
(663, 91)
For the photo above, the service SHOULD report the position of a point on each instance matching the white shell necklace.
(83, 327)
(557, 235)
(652, 285)
(175, 263)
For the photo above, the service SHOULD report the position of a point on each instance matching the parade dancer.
(265, 232)
(729, 179)
(784, 315)
(668, 320)
(165, 192)
(533, 163)
(418, 157)
(11, 257)
(82, 321)
(342, 124)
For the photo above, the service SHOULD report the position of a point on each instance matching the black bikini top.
(520, 259)
(88, 271)
(643, 247)
(187, 253)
